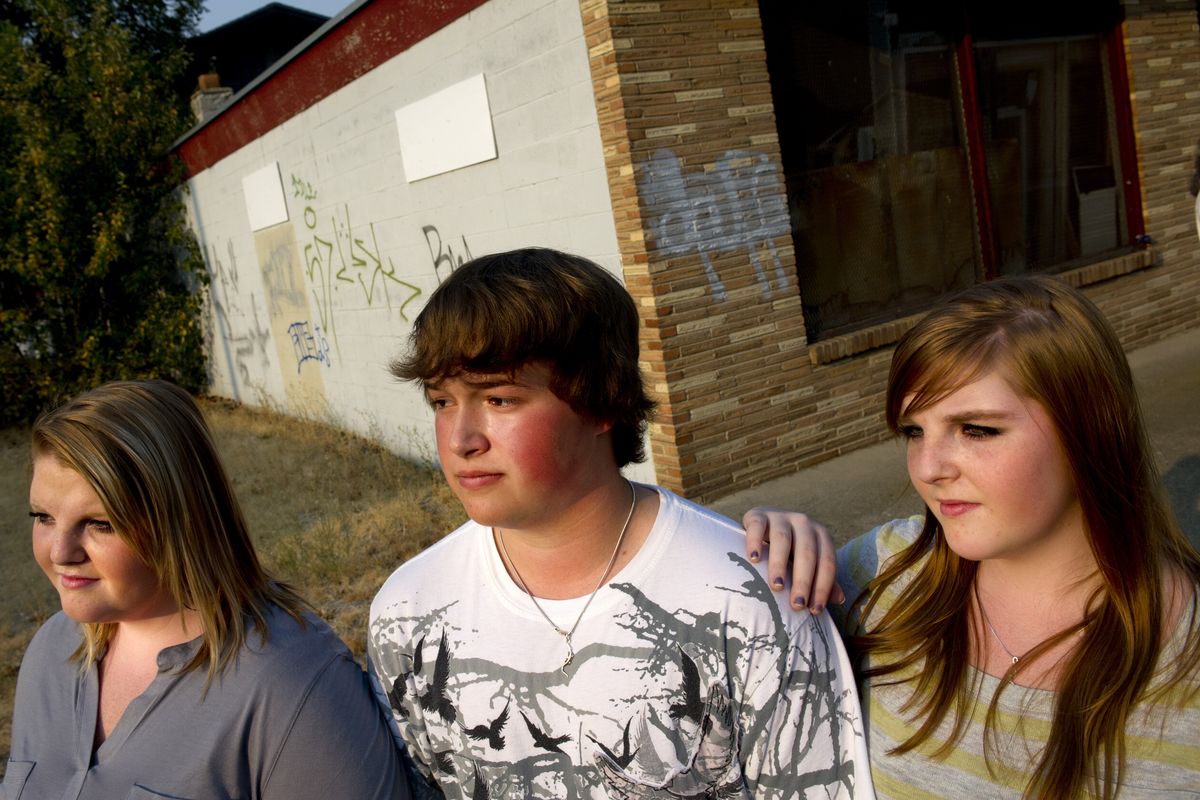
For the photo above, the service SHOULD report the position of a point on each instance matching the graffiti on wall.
(280, 265)
(242, 342)
(442, 255)
(309, 344)
(309, 275)
(303, 189)
(739, 204)
(338, 257)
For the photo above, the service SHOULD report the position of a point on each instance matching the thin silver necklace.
(1015, 658)
(612, 560)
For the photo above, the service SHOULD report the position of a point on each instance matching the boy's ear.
(603, 426)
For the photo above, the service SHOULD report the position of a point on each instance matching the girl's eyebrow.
(965, 416)
(976, 416)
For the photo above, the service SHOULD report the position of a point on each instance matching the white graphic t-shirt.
(691, 678)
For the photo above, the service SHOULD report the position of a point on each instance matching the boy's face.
(516, 455)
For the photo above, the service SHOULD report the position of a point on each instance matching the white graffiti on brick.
(739, 204)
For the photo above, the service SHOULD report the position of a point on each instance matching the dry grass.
(332, 514)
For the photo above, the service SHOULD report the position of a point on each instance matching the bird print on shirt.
(435, 698)
(396, 695)
(480, 792)
(626, 757)
(418, 659)
(399, 687)
(677, 733)
(491, 733)
(692, 706)
(442, 762)
(543, 741)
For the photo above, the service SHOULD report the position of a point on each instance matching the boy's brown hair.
(499, 312)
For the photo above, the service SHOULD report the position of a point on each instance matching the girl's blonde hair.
(1056, 348)
(145, 449)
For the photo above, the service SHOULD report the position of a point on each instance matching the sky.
(218, 12)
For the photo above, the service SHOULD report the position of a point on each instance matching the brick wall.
(695, 177)
(1162, 45)
(692, 158)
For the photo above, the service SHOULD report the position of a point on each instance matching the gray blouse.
(292, 718)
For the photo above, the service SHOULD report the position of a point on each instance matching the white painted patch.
(447, 130)
(265, 201)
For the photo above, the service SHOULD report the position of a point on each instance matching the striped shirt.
(1162, 741)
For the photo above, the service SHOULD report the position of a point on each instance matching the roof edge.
(355, 41)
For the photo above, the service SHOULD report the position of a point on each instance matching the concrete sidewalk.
(853, 493)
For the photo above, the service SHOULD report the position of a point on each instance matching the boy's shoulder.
(447, 556)
(676, 510)
(696, 552)
(696, 528)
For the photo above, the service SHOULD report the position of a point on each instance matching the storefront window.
(888, 140)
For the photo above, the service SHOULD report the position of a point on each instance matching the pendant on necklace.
(570, 654)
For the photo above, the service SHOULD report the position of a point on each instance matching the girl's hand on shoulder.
(789, 537)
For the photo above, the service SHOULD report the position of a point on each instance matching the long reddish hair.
(1058, 350)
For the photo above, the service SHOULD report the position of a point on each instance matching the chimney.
(210, 96)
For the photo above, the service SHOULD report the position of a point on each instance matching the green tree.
(99, 273)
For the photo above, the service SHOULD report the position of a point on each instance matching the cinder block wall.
(304, 315)
(692, 158)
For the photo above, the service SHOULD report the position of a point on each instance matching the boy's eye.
(979, 431)
(437, 402)
(501, 402)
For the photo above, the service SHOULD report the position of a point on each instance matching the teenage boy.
(582, 636)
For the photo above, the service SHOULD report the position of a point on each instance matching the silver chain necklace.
(612, 560)
(1015, 658)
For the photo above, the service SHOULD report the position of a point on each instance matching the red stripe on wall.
(375, 32)
(1123, 111)
(977, 156)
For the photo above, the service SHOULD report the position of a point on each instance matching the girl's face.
(989, 464)
(97, 575)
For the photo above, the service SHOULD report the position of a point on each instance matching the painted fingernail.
(798, 602)
(754, 555)
(818, 609)
(779, 583)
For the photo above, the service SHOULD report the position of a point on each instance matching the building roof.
(243, 48)
(355, 41)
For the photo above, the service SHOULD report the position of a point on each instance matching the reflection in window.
(875, 132)
(1053, 170)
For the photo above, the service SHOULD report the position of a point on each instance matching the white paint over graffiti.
(739, 204)
(263, 193)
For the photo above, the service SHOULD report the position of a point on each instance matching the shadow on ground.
(1183, 487)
